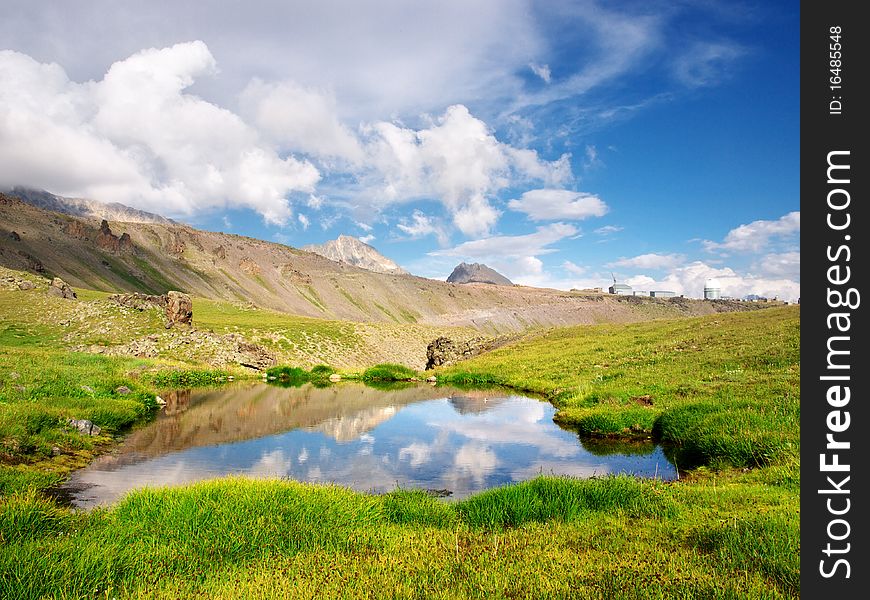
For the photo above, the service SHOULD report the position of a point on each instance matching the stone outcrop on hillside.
(443, 351)
(477, 273)
(177, 306)
(179, 309)
(109, 241)
(61, 289)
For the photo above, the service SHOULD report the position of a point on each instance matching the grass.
(614, 537)
(723, 389)
(389, 372)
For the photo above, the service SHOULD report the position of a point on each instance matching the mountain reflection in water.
(366, 438)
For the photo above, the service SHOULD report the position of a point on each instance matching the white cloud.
(650, 261)
(785, 264)
(304, 221)
(755, 236)
(608, 230)
(542, 71)
(573, 268)
(549, 204)
(512, 246)
(706, 63)
(300, 120)
(457, 160)
(689, 280)
(420, 225)
(367, 239)
(137, 137)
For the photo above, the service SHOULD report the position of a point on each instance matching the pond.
(442, 439)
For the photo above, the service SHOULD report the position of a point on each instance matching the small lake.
(374, 440)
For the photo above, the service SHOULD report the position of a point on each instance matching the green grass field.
(722, 391)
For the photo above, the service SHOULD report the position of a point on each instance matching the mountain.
(477, 273)
(351, 251)
(81, 207)
(156, 257)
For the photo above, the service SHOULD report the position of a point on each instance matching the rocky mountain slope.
(156, 257)
(349, 250)
(81, 207)
(477, 273)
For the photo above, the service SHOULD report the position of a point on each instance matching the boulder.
(84, 426)
(122, 390)
(61, 289)
(26, 285)
(179, 309)
(444, 351)
(139, 301)
(254, 356)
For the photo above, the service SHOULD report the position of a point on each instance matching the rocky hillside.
(81, 207)
(153, 258)
(477, 273)
(351, 251)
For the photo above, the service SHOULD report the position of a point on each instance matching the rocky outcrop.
(477, 273)
(250, 267)
(76, 229)
(139, 301)
(179, 309)
(61, 289)
(177, 306)
(253, 356)
(109, 241)
(444, 351)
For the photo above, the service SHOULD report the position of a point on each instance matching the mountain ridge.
(156, 257)
(83, 207)
(353, 251)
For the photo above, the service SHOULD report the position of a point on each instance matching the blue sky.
(556, 141)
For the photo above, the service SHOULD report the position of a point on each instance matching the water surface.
(435, 438)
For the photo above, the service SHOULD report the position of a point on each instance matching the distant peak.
(353, 251)
(477, 273)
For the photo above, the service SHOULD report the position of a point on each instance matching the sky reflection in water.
(352, 435)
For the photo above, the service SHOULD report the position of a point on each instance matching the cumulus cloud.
(550, 204)
(650, 261)
(458, 161)
(689, 281)
(755, 236)
(785, 264)
(137, 137)
(300, 119)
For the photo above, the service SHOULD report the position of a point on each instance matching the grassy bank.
(605, 538)
(723, 390)
(43, 386)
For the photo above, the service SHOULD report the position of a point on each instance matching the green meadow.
(722, 392)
